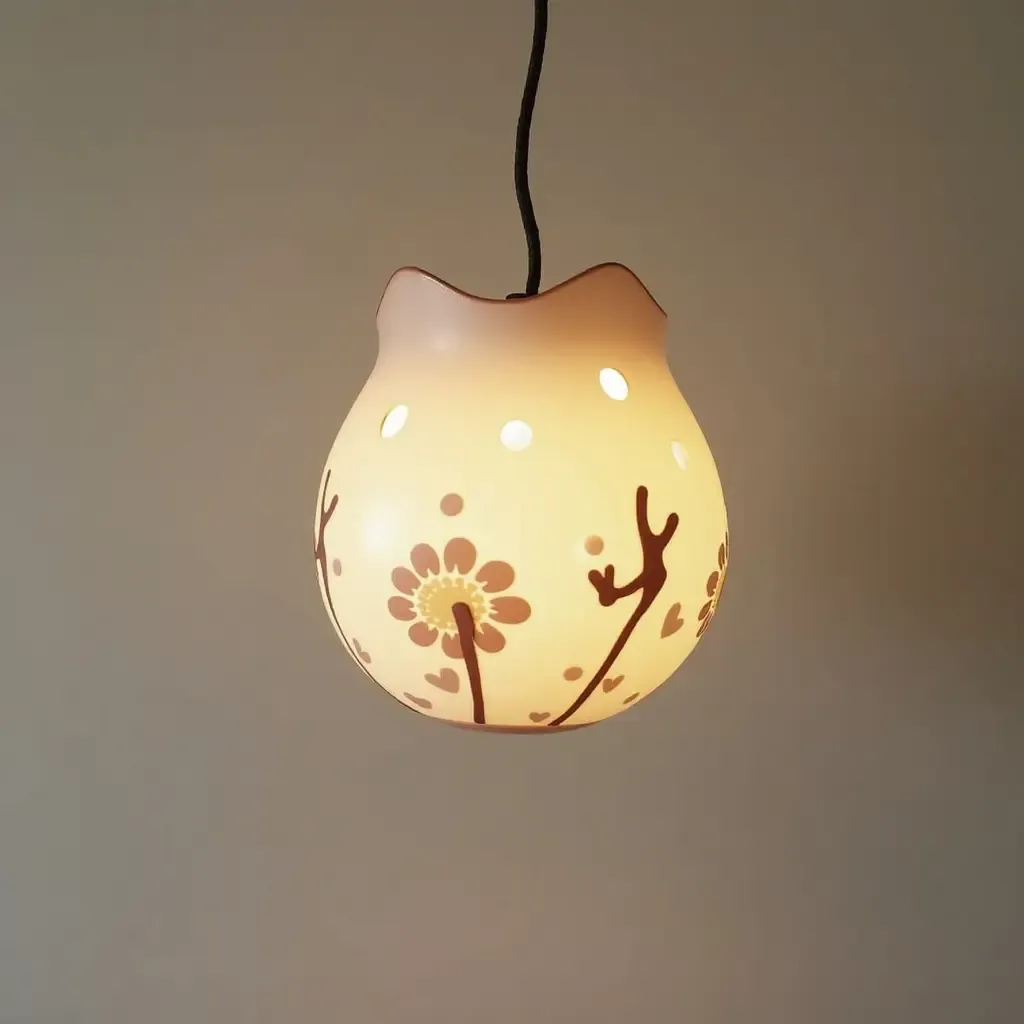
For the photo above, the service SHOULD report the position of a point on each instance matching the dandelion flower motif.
(427, 593)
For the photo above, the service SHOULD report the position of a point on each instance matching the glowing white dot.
(516, 435)
(613, 384)
(394, 421)
(679, 453)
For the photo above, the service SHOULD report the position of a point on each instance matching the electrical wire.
(522, 165)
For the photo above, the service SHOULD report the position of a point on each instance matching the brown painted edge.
(520, 730)
(489, 300)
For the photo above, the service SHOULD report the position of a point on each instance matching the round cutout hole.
(516, 435)
(394, 421)
(680, 455)
(613, 384)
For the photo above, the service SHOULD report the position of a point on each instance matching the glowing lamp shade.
(520, 526)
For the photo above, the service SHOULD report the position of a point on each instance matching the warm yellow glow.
(520, 524)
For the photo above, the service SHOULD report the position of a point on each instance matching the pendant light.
(520, 526)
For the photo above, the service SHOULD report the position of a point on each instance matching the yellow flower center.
(436, 597)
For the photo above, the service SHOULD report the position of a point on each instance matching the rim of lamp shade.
(519, 301)
(517, 730)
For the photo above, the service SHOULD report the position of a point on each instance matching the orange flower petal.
(459, 555)
(509, 610)
(495, 576)
(424, 560)
(489, 639)
(401, 608)
(422, 634)
(712, 584)
(405, 580)
(703, 613)
(721, 556)
(451, 646)
(704, 625)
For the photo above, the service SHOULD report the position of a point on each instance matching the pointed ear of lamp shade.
(520, 526)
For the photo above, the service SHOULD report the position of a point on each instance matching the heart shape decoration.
(610, 684)
(447, 679)
(673, 621)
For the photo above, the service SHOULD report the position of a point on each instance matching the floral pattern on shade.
(427, 593)
(673, 621)
(716, 581)
(446, 679)
(611, 683)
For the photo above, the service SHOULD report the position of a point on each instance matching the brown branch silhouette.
(648, 583)
(320, 554)
(467, 633)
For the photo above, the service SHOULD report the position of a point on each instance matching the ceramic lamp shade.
(520, 525)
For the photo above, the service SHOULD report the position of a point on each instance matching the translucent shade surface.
(520, 525)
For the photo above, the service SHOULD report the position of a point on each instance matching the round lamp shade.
(520, 526)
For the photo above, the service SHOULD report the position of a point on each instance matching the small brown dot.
(452, 504)
(336, 567)
(594, 545)
(572, 673)
(631, 698)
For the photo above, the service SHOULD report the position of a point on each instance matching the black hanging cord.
(540, 31)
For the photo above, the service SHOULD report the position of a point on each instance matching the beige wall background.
(207, 815)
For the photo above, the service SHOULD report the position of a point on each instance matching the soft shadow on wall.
(908, 519)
